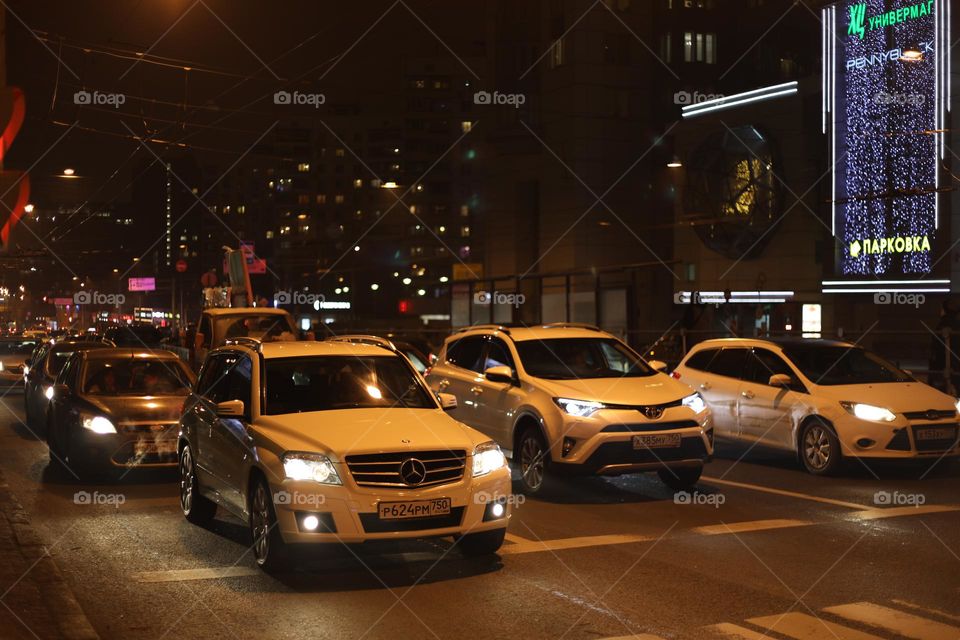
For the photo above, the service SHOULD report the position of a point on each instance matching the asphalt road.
(762, 546)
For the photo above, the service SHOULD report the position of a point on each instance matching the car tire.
(197, 509)
(269, 549)
(484, 543)
(682, 479)
(819, 448)
(532, 461)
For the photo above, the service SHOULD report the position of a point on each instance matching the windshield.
(136, 377)
(323, 383)
(577, 358)
(836, 365)
(263, 327)
(60, 354)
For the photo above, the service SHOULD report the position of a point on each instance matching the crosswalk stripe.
(182, 575)
(571, 543)
(784, 492)
(896, 512)
(931, 611)
(904, 624)
(804, 627)
(640, 636)
(735, 631)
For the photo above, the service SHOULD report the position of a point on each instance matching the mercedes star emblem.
(413, 471)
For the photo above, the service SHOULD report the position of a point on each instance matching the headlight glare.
(310, 466)
(98, 424)
(487, 457)
(579, 408)
(695, 403)
(869, 412)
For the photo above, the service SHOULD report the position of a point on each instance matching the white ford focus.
(320, 442)
(823, 399)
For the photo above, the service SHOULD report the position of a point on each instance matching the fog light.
(865, 443)
(568, 445)
(310, 523)
(497, 510)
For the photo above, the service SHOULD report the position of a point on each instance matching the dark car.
(117, 408)
(14, 355)
(43, 371)
(136, 336)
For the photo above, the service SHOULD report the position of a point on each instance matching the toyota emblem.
(413, 472)
(653, 413)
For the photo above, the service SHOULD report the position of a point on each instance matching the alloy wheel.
(532, 462)
(186, 480)
(817, 448)
(260, 523)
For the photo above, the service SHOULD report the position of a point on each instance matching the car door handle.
(747, 394)
(476, 390)
(705, 386)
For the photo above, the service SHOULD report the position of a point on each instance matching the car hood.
(656, 389)
(139, 408)
(896, 396)
(350, 431)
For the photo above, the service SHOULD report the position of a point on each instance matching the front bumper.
(348, 513)
(148, 445)
(604, 444)
(11, 378)
(901, 439)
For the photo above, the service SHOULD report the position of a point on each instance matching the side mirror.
(781, 380)
(230, 409)
(500, 373)
(448, 401)
(658, 365)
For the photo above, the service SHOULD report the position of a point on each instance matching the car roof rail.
(254, 343)
(571, 325)
(495, 327)
(376, 341)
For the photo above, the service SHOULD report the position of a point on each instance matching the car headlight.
(579, 408)
(487, 457)
(48, 393)
(957, 406)
(869, 412)
(98, 424)
(1, 365)
(26, 370)
(310, 466)
(695, 402)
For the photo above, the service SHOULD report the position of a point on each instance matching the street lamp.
(675, 163)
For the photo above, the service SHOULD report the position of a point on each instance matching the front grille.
(383, 469)
(623, 453)
(650, 426)
(900, 441)
(940, 444)
(169, 430)
(642, 407)
(931, 414)
(373, 524)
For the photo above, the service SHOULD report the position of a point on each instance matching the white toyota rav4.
(574, 399)
(312, 442)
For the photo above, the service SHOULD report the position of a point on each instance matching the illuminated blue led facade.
(885, 87)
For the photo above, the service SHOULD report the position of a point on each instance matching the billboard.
(885, 104)
(141, 284)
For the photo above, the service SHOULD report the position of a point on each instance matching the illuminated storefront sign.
(886, 87)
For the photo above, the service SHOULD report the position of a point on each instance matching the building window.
(558, 54)
(666, 45)
(466, 126)
(270, 235)
(242, 209)
(465, 231)
(303, 167)
(357, 183)
(321, 198)
(711, 45)
(464, 210)
(339, 153)
(688, 46)
(338, 198)
(303, 199)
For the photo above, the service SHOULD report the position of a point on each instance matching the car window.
(323, 383)
(415, 360)
(765, 363)
(136, 377)
(239, 380)
(17, 347)
(498, 355)
(209, 376)
(701, 360)
(729, 363)
(465, 353)
(841, 364)
(579, 358)
(67, 375)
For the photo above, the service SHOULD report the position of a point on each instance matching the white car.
(332, 442)
(823, 399)
(572, 399)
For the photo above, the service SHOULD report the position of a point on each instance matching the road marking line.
(784, 492)
(803, 627)
(572, 543)
(931, 611)
(639, 636)
(899, 622)
(181, 575)
(893, 512)
(512, 537)
(754, 525)
(735, 631)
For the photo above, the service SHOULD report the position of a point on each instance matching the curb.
(60, 602)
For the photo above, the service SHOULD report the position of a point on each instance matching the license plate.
(415, 509)
(158, 446)
(943, 433)
(656, 441)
